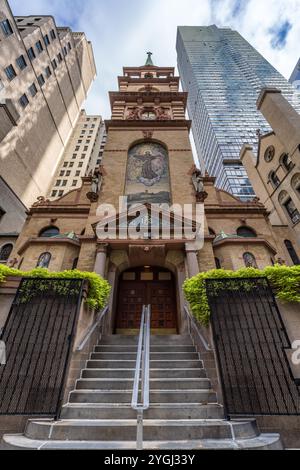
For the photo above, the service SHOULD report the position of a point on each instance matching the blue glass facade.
(224, 75)
(295, 77)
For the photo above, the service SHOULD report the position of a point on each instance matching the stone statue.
(96, 184)
(197, 179)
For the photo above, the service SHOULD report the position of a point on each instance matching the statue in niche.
(197, 180)
(96, 183)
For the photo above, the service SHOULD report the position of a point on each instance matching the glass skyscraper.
(224, 75)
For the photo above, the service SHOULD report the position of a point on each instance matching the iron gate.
(251, 342)
(38, 336)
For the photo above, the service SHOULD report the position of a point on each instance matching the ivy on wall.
(99, 288)
(284, 280)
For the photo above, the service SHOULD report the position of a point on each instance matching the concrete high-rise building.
(45, 75)
(295, 77)
(82, 154)
(224, 75)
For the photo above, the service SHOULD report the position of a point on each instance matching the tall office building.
(45, 76)
(224, 75)
(81, 156)
(295, 77)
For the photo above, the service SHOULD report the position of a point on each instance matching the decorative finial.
(149, 59)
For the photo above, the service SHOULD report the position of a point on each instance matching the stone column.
(192, 259)
(100, 262)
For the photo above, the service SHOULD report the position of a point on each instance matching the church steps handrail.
(141, 401)
(92, 328)
(192, 321)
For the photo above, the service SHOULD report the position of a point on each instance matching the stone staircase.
(183, 413)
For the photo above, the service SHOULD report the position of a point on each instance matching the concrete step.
(155, 384)
(156, 396)
(155, 340)
(117, 429)
(156, 411)
(133, 348)
(262, 442)
(154, 364)
(164, 356)
(154, 373)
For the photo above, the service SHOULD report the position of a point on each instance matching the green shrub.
(284, 280)
(99, 288)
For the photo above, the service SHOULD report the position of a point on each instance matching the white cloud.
(122, 32)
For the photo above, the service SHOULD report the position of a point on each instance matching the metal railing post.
(142, 373)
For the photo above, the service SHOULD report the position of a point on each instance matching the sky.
(122, 31)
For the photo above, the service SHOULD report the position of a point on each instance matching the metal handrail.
(92, 328)
(141, 389)
(191, 320)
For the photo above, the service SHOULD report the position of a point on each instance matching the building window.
(48, 72)
(77, 173)
(77, 148)
(10, 72)
(269, 153)
(75, 263)
(62, 173)
(6, 28)
(286, 162)
(64, 183)
(33, 90)
(41, 80)
(31, 54)
(65, 52)
(218, 263)
(246, 232)
(69, 45)
(59, 58)
(53, 194)
(54, 64)
(60, 193)
(68, 173)
(21, 62)
(53, 34)
(80, 164)
(24, 101)
(71, 164)
(58, 183)
(39, 47)
(46, 40)
(49, 232)
(249, 260)
(85, 148)
(44, 260)
(65, 164)
(292, 210)
(2, 213)
(5, 251)
(274, 179)
(296, 183)
(292, 252)
(74, 183)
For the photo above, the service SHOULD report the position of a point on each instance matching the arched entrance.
(146, 285)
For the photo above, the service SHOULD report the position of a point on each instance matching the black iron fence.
(38, 335)
(251, 345)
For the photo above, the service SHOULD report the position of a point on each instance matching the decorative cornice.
(138, 125)
(245, 241)
(49, 241)
(147, 97)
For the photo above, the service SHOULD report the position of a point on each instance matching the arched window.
(292, 252)
(275, 181)
(296, 183)
(289, 206)
(49, 232)
(75, 263)
(218, 263)
(211, 232)
(249, 260)
(246, 232)
(286, 162)
(44, 260)
(6, 251)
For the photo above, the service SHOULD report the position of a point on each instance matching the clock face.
(148, 115)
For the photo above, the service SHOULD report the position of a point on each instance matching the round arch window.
(49, 232)
(246, 232)
(249, 260)
(5, 251)
(269, 153)
(44, 260)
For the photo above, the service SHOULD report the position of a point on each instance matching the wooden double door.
(144, 286)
